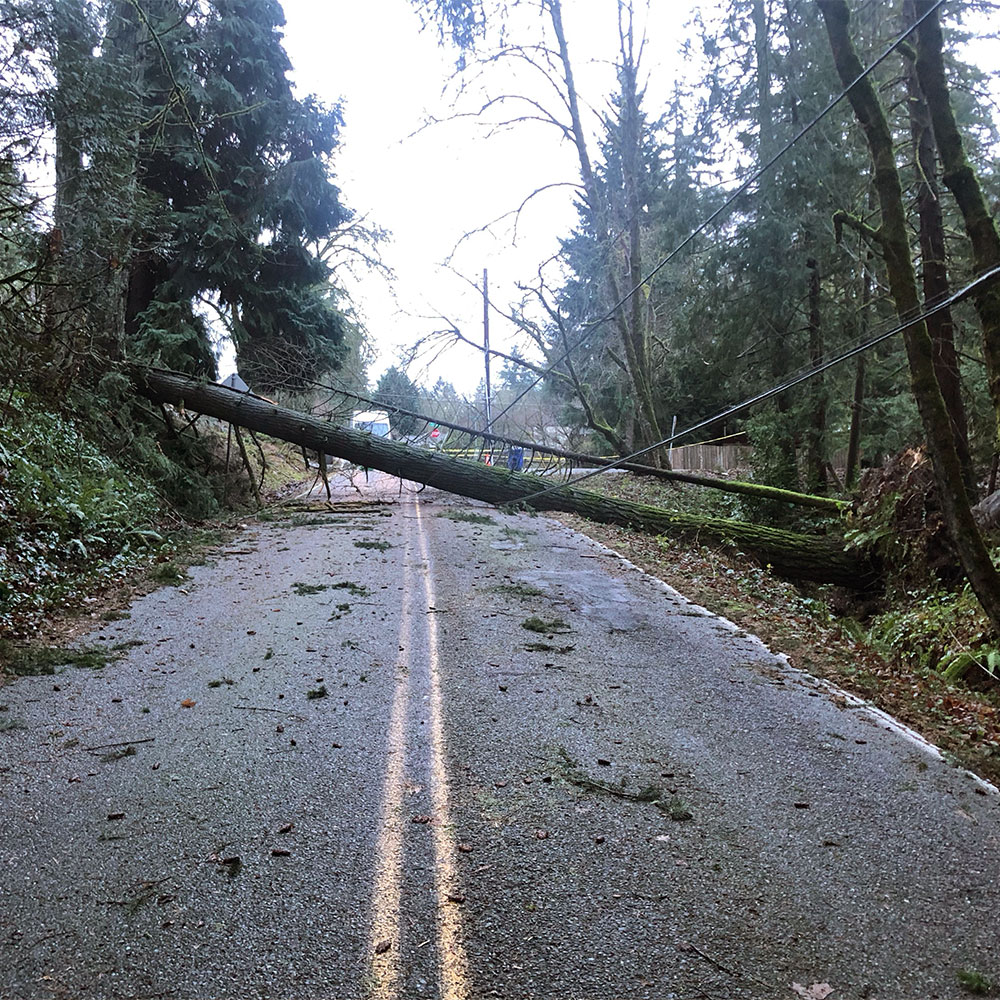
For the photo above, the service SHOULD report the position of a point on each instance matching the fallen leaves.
(188, 703)
(232, 863)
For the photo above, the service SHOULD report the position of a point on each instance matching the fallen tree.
(817, 558)
(756, 491)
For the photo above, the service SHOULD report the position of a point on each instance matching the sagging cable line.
(727, 204)
(972, 288)
(532, 449)
(490, 438)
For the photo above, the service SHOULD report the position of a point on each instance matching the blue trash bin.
(515, 459)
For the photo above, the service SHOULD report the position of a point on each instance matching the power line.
(970, 289)
(724, 207)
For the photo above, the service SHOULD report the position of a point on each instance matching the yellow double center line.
(385, 938)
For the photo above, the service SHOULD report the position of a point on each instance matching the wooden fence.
(711, 457)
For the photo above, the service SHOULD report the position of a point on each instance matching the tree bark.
(797, 556)
(817, 424)
(771, 251)
(858, 401)
(892, 235)
(934, 269)
(961, 180)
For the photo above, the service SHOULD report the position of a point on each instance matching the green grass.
(122, 647)
(675, 809)
(366, 543)
(169, 574)
(469, 516)
(544, 647)
(39, 661)
(975, 982)
(519, 589)
(543, 627)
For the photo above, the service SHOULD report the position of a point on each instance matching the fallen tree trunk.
(756, 491)
(821, 559)
(987, 512)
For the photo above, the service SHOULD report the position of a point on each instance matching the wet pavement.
(407, 747)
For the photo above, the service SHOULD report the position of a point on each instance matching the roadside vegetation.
(86, 522)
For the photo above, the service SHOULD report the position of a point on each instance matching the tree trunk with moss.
(891, 236)
(816, 447)
(933, 259)
(818, 558)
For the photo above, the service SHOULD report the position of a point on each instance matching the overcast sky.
(431, 188)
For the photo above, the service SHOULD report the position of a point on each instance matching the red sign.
(436, 433)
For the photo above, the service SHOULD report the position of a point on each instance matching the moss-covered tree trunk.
(858, 399)
(816, 449)
(892, 237)
(820, 558)
(963, 183)
(933, 260)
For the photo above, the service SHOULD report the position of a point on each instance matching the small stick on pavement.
(257, 708)
(730, 971)
(702, 992)
(126, 743)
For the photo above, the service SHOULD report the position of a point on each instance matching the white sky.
(431, 189)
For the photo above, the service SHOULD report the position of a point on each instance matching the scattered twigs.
(735, 973)
(112, 746)
(650, 794)
(258, 708)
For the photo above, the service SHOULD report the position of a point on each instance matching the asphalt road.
(337, 764)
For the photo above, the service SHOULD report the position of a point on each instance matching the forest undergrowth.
(918, 652)
(85, 525)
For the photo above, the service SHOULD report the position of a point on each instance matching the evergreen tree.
(396, 390)
(237, 172)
